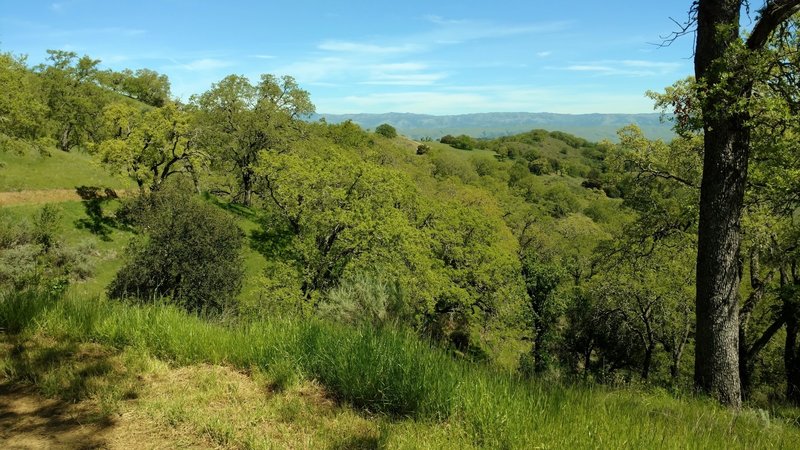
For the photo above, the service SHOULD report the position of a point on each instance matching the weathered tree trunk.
(727, 150)
(791, 358)
(539, 361)
(64, 139)
(648, 360)
(718, 275)
(247, 186)
(726, 141)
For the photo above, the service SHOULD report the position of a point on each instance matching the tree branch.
(771, 16)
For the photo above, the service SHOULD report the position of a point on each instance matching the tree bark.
(791, 358)
(726, 141)
(727, 150)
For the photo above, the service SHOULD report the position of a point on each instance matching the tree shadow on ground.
(68, 374)
(96, 222)
(272, 239)
(29, 421)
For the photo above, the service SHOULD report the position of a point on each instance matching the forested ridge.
(534, 258)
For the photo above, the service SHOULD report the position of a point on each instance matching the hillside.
(593, 127)
(225, 273)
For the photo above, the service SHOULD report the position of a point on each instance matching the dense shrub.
(386, 130)
(189, 251)
(32, 256)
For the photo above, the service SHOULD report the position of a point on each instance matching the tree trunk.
(63, 142)
(648, 360)
(791, 358)
(718, 273)
(726, 140)
(247, 186)
(726, 87)
(539, 361)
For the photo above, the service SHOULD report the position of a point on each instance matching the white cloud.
(544, 54)
(357, 47)
(589, 68)
(261, 56)
(406, 79)
(202, 64)
(628, 67)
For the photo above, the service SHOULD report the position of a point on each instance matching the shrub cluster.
(189, 251)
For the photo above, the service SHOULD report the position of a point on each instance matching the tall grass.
(391, 372)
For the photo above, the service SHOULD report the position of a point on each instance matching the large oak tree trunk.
(726, 141)
(718, 267)
(726, 87)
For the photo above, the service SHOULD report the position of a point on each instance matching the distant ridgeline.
(593, 127)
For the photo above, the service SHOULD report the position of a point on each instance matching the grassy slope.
(422, 398)
(392, 390)
(58, 170)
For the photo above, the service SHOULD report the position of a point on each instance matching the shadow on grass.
(41, 399)
(273, 237)
(96, 222)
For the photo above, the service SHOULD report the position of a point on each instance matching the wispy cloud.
(262, 56)
(384, 61)
(357, 47)
(628, 67)
(405, 79)
(202, 64)
(544, 54)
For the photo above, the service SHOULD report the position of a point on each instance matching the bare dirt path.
(29, 421)
(15, 198)
(38, 197)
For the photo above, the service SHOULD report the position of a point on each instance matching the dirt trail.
(15, 198)
(38, 197)
(29, 421)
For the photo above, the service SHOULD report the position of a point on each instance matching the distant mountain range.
(593, 127)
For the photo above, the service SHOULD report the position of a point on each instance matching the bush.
(386, 130)
(423, 149)
(364, 299)
(190, 252)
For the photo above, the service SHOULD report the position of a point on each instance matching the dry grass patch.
(231, 409)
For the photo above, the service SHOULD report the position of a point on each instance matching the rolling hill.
(593, 127)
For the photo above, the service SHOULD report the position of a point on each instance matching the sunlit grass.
(408, 385)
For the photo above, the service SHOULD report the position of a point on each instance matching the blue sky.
(445, 57)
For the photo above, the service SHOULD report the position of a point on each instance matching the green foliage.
(22, 103)
(150, 145)
(545, 307)
(461, 142)
(74, 100)
(190, 252)
(237, 120)
(144, 85)
(386, 131)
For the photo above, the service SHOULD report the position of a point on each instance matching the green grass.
(58, 170)
(414, 389)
